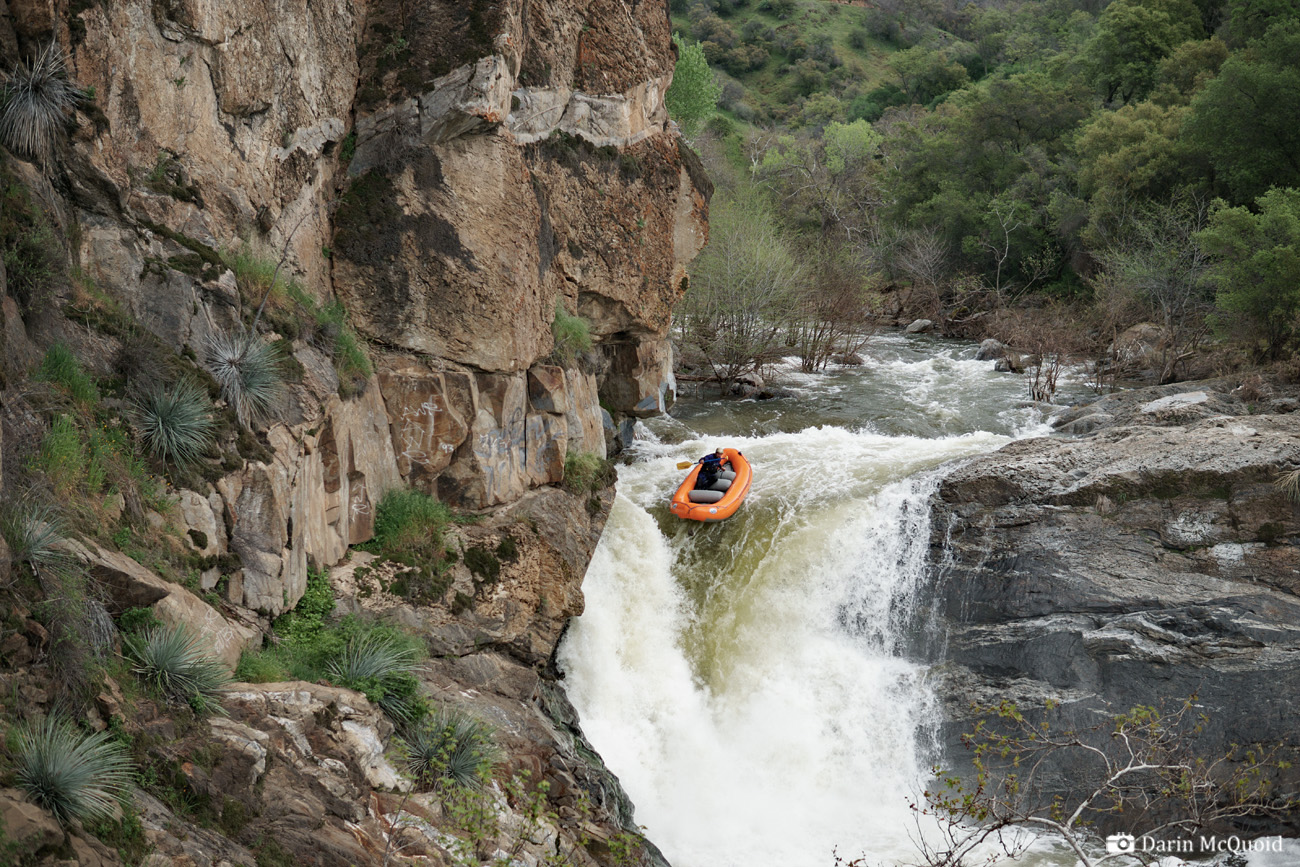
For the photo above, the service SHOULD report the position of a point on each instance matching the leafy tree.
(1127, 157)
(1245, 120)
(741, 293)
(694, 93)
(1251, 19)
(1159, 260)
(1256, 266)
(1005, 138)
(924, 75)
(1182, 74)
(831, 183)
(1133, 36)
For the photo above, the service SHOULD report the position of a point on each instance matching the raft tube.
(723, 508)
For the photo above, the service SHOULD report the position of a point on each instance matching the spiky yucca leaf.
(451, 746)
(383, 669)
(372, 657)
(174, 422)
(248, 371)
(1290, 484)
(34, 102)
(72, 775)
(179, 666)
(35, 536)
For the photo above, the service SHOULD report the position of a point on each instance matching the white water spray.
(743, 681)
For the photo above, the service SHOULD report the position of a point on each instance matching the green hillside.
(1051, 172)
(776, 56)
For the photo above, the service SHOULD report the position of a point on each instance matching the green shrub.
(410, 527)
(587, 472)
(483, 563)
(61, 367)
(260, 666)
(249, 372)
(74, 776)
(307, 619)
(138, 620)
(508, 550)
(179, 666)
(34, 104)
(452, 747)
(175, 423)
(572, 335)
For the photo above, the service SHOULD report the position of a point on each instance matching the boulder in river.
(920, 326)
(991, 350)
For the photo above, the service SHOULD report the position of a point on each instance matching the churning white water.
(744, 679)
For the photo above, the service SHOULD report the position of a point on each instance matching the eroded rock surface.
(443, 179)
(1143, 564)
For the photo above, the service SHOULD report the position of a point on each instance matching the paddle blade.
(681, 465)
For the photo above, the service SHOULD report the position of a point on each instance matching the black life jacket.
(710, 468)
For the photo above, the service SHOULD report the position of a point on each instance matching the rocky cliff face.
(452, 174)
(1152, 560)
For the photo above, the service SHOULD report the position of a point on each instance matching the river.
(745, 680)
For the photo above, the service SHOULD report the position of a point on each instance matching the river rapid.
(746, 680)
(755, 683)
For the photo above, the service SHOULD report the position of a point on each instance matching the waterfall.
(745, 680)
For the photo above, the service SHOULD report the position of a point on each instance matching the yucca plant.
(451, 746)
(1289, 483)
(73, 775)
(248, 371)
(180, 667)
(35, 102)
(35, 536)
(175, 423)
(383, 669)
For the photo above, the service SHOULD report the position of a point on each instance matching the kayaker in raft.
(710, 470)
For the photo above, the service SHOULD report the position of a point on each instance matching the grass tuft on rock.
(175, 423)
(75, 776)
(180, 667)
(410, 527)
(1289, 484)
(572, 335)
(585, 472)
(60, 367)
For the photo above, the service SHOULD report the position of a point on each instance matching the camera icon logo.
(1121, 844)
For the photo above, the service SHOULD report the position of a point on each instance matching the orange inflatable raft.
(721, 501)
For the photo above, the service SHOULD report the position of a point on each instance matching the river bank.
(1149, 557)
